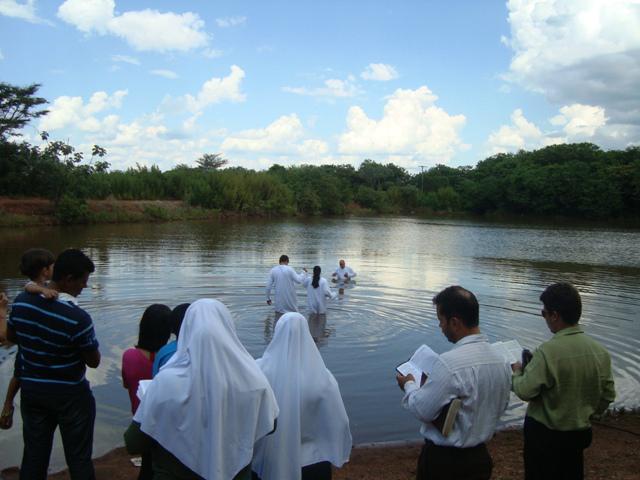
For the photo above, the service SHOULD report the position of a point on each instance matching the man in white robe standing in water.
(283, 279)
(343, 274)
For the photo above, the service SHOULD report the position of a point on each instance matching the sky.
(413, 82)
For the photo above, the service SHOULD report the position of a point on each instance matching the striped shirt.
(479, 377)
(51, 336)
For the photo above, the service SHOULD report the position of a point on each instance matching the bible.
(447, 417)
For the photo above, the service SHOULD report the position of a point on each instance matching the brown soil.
(612, 456)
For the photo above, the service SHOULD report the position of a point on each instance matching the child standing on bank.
(37, 264)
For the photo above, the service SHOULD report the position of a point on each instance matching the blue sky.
(264, 82)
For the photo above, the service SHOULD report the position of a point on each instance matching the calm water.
(374, 325)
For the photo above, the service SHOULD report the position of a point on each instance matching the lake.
(372, 326)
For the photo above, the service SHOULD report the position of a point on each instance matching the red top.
(135, 367)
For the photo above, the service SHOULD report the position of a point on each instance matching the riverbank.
(613, 455)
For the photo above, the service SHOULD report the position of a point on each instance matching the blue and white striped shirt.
(51, 336)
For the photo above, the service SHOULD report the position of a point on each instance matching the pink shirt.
(135, 367)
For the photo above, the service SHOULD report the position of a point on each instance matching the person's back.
(575, 381)
(56, 342)
(567, 380)
(283, 279)
(317, 292)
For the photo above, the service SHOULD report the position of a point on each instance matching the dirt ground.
(612, 456)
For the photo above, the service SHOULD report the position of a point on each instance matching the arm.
(351, 273)
(528, 384)
(91, 358)
(33, 287)
(136, 441)
(427, 401)
(4, 302)
(270, 282)
(327, 291)
(608, 390)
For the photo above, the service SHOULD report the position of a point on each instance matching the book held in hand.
(420, 362)
(511, 351)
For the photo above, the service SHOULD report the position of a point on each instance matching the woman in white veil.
(313, 428)
(208, 405)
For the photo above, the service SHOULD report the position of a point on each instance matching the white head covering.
(210, 402)
(313, 425)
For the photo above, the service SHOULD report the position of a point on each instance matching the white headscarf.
(313, 425)
(210, 402)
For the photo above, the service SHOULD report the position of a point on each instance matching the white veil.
(210, 402)
(313, 425)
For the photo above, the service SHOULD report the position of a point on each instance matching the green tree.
(18, 106)
(211, 161)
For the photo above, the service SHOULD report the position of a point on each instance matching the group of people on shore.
(212, 411)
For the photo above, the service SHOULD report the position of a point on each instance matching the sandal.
(6, 417)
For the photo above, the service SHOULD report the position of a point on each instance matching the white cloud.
(213, 91)
(88, 15)
(144, 30)
(22, 10)
(284, 136)
(412, 128)
(333, 88)
(73, 112)
(227, 22)
(125, 59)
(380, 72)
(580, 52)
(212, 53)
(165, 73)
(580, 120)
(579, 123)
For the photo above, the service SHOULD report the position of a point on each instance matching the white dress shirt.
(283, 279)
(477, 375)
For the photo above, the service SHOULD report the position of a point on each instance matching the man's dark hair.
(177, 316)
(564, 299)
(456, 301)
(155, 327)
(34, 260)
(283, 259)
(72, 262)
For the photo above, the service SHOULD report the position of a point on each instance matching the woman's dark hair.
(34, 260)
(316, 277)
(177, 315)
(155, 327)
(72, 262)
(456, 301)
(563, 298)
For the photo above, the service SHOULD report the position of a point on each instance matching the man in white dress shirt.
(283, 280)
(343, 273)
(470, 371)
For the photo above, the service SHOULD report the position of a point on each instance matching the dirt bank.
(612, 456)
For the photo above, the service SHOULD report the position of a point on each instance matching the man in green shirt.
(567, 381)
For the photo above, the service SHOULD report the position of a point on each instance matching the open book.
(420, 362)
(511, 351)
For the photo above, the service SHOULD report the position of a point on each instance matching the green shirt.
(165, 465)
(567, 381)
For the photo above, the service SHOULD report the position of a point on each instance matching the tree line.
(571, 180)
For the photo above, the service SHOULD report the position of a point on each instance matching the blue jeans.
(75, 415)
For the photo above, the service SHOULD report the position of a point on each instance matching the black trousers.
(553, 454)
(450, 463)
(41, 414)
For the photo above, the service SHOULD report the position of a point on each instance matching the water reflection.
(370, 328)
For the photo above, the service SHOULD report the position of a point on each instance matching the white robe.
(317, 297)
(283, 279)
(210, 402)
(313, 425)
(341, 272)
